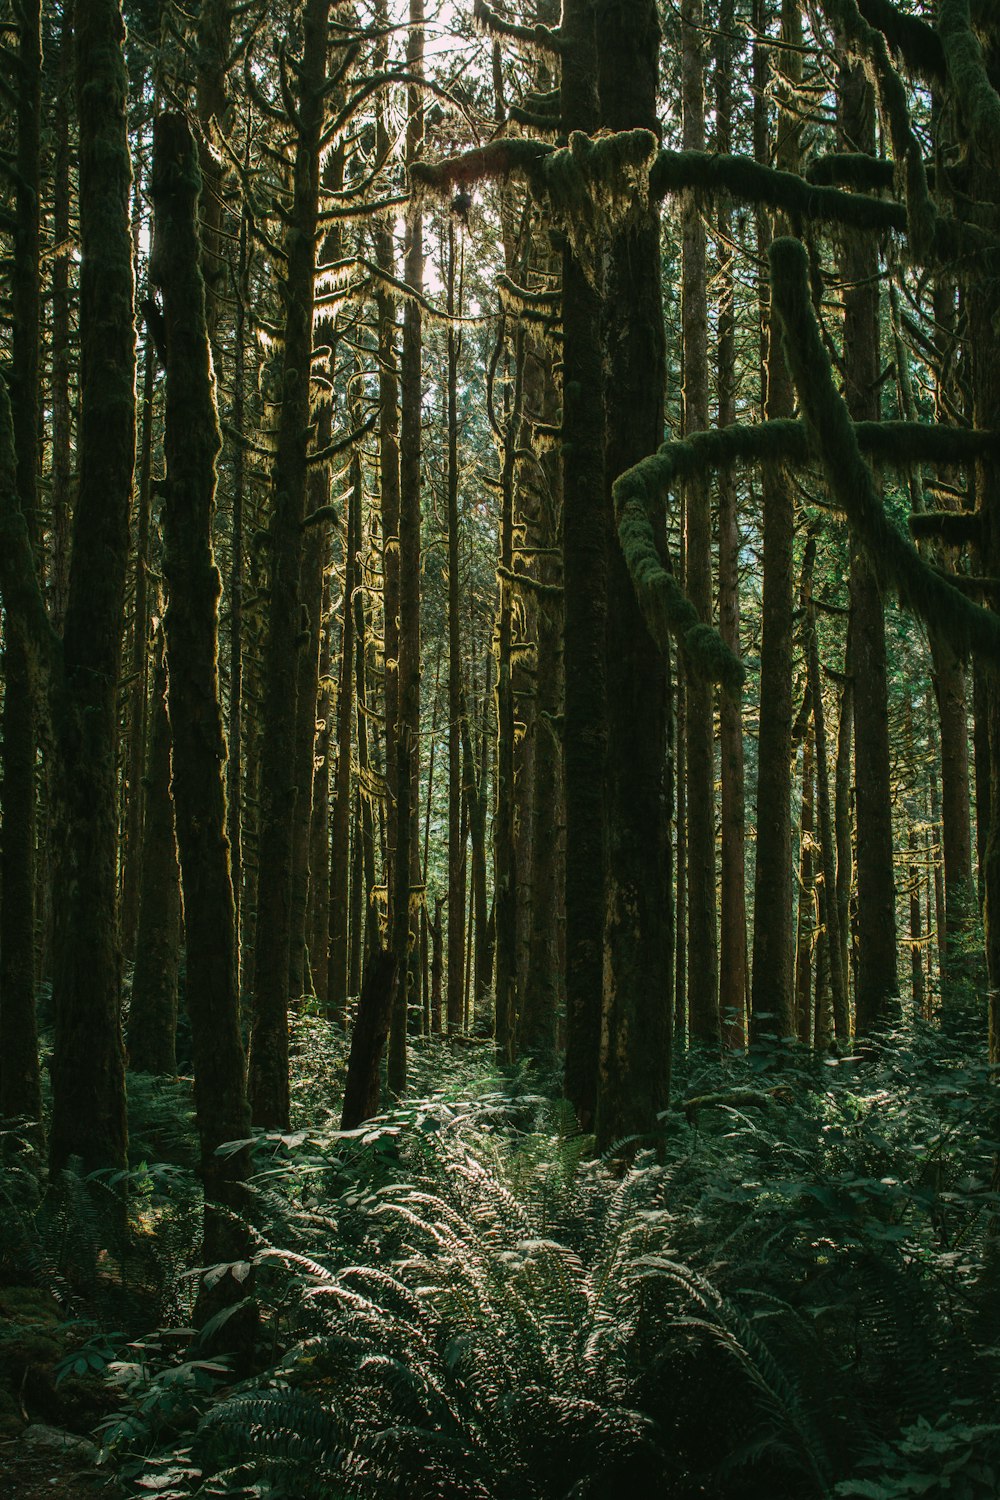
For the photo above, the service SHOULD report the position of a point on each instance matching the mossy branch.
(852, 485)
(954, 528)
(665, 608)
(538, 39)
(853, 169)
(740, 177)
(590, 188)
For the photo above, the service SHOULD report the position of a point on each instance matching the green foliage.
(792, 1295)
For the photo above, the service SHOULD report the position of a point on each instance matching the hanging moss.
(975, 96)
(869, 45)
(537, 40)
(590, 188)
(852, 485)
(500, 159)
(910, 38)
(666, 609)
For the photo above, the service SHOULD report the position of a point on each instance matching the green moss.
(739, 177)
(894, 558)
(975, 96)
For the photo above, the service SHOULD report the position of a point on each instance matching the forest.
(500, 749)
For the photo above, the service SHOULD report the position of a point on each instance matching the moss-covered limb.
(537, 38)
(955, 528)
(853, 169)
(589, 187)
(868, 43)
(913, 40)
(667, 610)
(519, 299)
(977, 99)
(22, 597)
(500, 159)
(895, 559)
(786, 440)
(748, 181)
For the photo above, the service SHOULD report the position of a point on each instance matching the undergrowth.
(790, 1292)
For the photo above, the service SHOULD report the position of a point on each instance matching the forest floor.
(28, 1472)
(790, 1292)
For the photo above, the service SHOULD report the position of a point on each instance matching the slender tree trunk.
(732, 894)
(828, 896)
(585, 559)
(772, 983)
(341, 828)
(806, 934)
(152, 1021)
(319, 832)
(456, 831)
(407, 746)
(192, 443)
(703, 975)
(133, 853)
(877, 982)
(504, 858)
(314, 548)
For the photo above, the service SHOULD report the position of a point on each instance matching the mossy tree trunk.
(636, 1021)
(877, 982)
(406, 747)
(772, 976)
(585, 559)
(192, 442)
(269, 1046)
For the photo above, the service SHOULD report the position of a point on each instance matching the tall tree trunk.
(638, 934)
(314, 545)
(341, 831)
(456, 832)
(772, 982)
(192, 443)
(407, 746)
(88, 1116)
(828, 892)
(805, 938)
(20, 1087)
(732, 893)
(269, 1046)
(132, 854)
(877, 982)
(585, 560)
(703, 973)
(152, 1020)
(504, 855)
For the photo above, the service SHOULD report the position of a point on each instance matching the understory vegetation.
(792, 1292)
